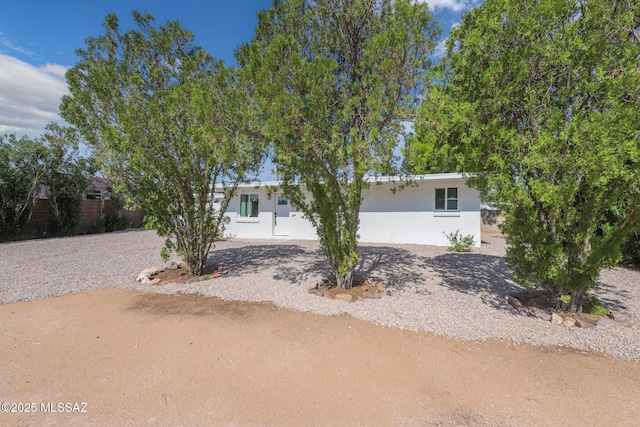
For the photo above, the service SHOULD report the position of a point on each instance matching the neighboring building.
(421, 213)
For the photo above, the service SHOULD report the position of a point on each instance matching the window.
(447, 199)
(282, 201)
(93, 194)
(249, 205)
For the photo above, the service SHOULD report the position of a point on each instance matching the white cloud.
(29, 96)
(453, 5)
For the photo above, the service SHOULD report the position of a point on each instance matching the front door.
(281, 216)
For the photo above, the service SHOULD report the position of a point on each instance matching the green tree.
(20, 179)
(163, 117)
(334, 79)
(542, 101)
(65, 177)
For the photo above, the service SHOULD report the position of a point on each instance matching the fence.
(92, 212)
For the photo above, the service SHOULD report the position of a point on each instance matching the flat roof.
(428, 177)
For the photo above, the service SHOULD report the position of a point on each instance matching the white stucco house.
(418, 214)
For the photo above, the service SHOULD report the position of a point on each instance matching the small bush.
(594, 306)
(459, 243)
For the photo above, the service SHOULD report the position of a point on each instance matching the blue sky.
(38, 40)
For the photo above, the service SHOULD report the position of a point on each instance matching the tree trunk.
(346, 281)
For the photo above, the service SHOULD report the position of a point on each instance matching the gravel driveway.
(428, 288)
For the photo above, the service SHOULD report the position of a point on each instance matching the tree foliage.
(20, 179)
(334, 79)
(542, 101)
(66, 176)
(163, 117)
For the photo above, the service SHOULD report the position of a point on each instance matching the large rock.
(581, 323)
(154, 282)
(605, 321)
(171, 265)
(513, 302)
(556, 319)
(569, 322)
(345, 297)
(540, 314)
(144, 276)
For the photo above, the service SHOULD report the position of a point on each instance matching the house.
(420, 213)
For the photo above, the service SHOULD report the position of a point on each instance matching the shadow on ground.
(289, 261)
(486, 276)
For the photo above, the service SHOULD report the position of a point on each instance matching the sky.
(38, 40)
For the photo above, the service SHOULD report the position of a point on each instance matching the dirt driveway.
(150, 359)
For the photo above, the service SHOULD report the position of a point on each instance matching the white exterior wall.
(408, 216)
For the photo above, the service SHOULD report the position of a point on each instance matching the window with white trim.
(249, 205)
(447, 199)
(282, 201)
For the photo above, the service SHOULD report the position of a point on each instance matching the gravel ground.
(428, 288)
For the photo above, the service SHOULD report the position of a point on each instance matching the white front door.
(281, 215)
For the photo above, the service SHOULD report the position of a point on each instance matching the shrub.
(631, 250)
(460, 243)
(594, 306)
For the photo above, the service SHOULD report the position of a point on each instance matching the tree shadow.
(486, 276)
(290, 262)
(397, 268)
(613, 297)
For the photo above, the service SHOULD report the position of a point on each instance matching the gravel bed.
(428, 288)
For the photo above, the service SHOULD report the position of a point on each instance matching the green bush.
(460, 243)
(631, 250)
(594, 306)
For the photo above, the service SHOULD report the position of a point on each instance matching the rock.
(154, 282)
(604, 322)
(540, 314)
(328, 294)
(372, 295)
(214, 276)
(193, 280)
(344, 297)
(556, 319)
(513, 302)
(171, 265)
(314, 291)
(584, 324)
(569, 322)
(619, 317)
(144, 276)
(380, 286)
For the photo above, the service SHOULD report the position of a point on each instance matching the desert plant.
(458, 242)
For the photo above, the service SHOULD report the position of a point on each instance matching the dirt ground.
(118, 357)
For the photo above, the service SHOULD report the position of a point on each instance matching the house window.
(93, 194)
(249, 205)
(447, 199)
(282, 201)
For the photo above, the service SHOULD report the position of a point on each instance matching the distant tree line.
(51, 162)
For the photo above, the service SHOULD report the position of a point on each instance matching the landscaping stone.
(144, 276)
(171, 265)
(314, 291)
(345, 297)
(569, 322)
(540, 314)
(619, 317)
(581, 323)
(556, 319)
(605, 321)
(513, 302)
(154, 282)
(194, 280)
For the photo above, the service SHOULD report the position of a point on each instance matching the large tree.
(163, 117)
(334, 80)
(542, 101)
(66, 176)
